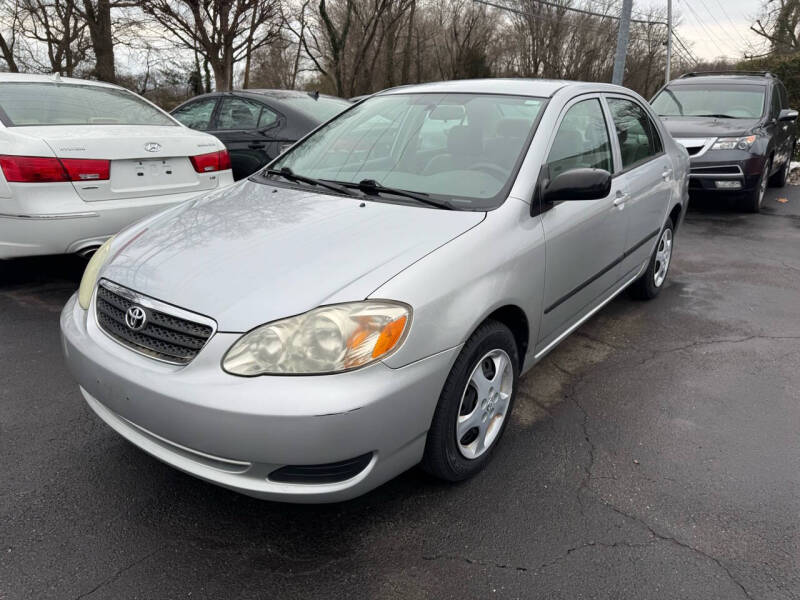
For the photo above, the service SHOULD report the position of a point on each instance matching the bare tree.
(57, 25)
(779, 25)
(9, 25)
(223, 32)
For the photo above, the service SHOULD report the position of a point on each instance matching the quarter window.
(196, 115)
(581, 140)
(637, 135)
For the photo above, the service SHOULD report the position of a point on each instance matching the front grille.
(164, 336)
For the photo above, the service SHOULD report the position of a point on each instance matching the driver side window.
(581, 140)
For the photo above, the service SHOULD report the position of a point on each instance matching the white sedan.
(80, 160)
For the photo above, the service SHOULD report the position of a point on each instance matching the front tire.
(475, 404)
(754, 199)
(649, 285)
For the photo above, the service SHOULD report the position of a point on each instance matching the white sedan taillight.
(42, 169)
(213, 161)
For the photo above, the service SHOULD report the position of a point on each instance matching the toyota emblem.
(152, 146)
(135, 318)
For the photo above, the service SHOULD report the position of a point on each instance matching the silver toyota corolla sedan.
(370, 300)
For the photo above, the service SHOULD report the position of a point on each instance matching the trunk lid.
(145, 160)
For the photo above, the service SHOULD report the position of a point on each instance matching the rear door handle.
(256, 146)
(666, 174)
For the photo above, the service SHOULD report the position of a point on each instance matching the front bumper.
(234, 431)
(737, 166)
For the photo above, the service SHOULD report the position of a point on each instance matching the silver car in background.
(370, 300)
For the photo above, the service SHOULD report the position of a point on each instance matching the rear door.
(584, 238)
(243, 125)
(645, 177)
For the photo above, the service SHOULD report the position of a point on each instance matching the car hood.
(688, 127)
(253, 253)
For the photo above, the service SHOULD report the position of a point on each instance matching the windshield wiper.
(372, 187)
(287, 173)
(717, 116)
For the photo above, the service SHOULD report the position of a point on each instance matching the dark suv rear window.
(735, 101)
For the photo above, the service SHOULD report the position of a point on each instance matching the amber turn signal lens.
(389, 337)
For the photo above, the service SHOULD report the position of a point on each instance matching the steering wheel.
(491, 170)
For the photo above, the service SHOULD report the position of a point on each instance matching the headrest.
(513, 128)
(463, 139)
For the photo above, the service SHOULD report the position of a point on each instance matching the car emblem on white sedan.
(135, 318)
(152, 146)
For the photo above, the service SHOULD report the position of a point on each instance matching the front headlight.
(328, 339)
(89, 278)
(741, 143)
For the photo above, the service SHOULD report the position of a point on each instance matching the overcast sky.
(713, 28)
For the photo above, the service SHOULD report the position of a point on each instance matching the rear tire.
(754, 199)
(475, 404)
(649, 285)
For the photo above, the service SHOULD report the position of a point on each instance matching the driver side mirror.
(788, 114)
(578, 184)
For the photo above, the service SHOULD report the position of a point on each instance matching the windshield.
(464, 148)
(320, 109)
(69, 104)
(733, 101)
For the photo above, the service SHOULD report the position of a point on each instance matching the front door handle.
(666, 174)
(620, 200)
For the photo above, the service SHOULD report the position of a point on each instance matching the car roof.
(724, 79)
(542, 88)
(53, 78)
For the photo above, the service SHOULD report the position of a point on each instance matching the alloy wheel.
(484, 404)
(663, 256)
(762, 184)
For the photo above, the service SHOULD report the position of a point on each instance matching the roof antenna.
(314, 94)
(57, 76)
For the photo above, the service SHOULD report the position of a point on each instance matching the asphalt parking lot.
(654, 454)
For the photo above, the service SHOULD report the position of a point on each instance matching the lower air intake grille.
(149, 331)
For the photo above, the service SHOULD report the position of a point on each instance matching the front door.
(646, 177)
(584, 238)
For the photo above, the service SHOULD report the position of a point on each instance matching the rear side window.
(196, 115)
(637, 135)
(581, 140)
(238, 113)
(34, 103)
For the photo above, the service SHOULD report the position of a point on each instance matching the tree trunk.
(8, 55)
(98, 18)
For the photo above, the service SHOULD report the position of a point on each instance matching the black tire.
(443, 457)
(779, 179)
(648, 286)
(753, 199)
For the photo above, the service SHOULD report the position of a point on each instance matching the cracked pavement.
(654, 454)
